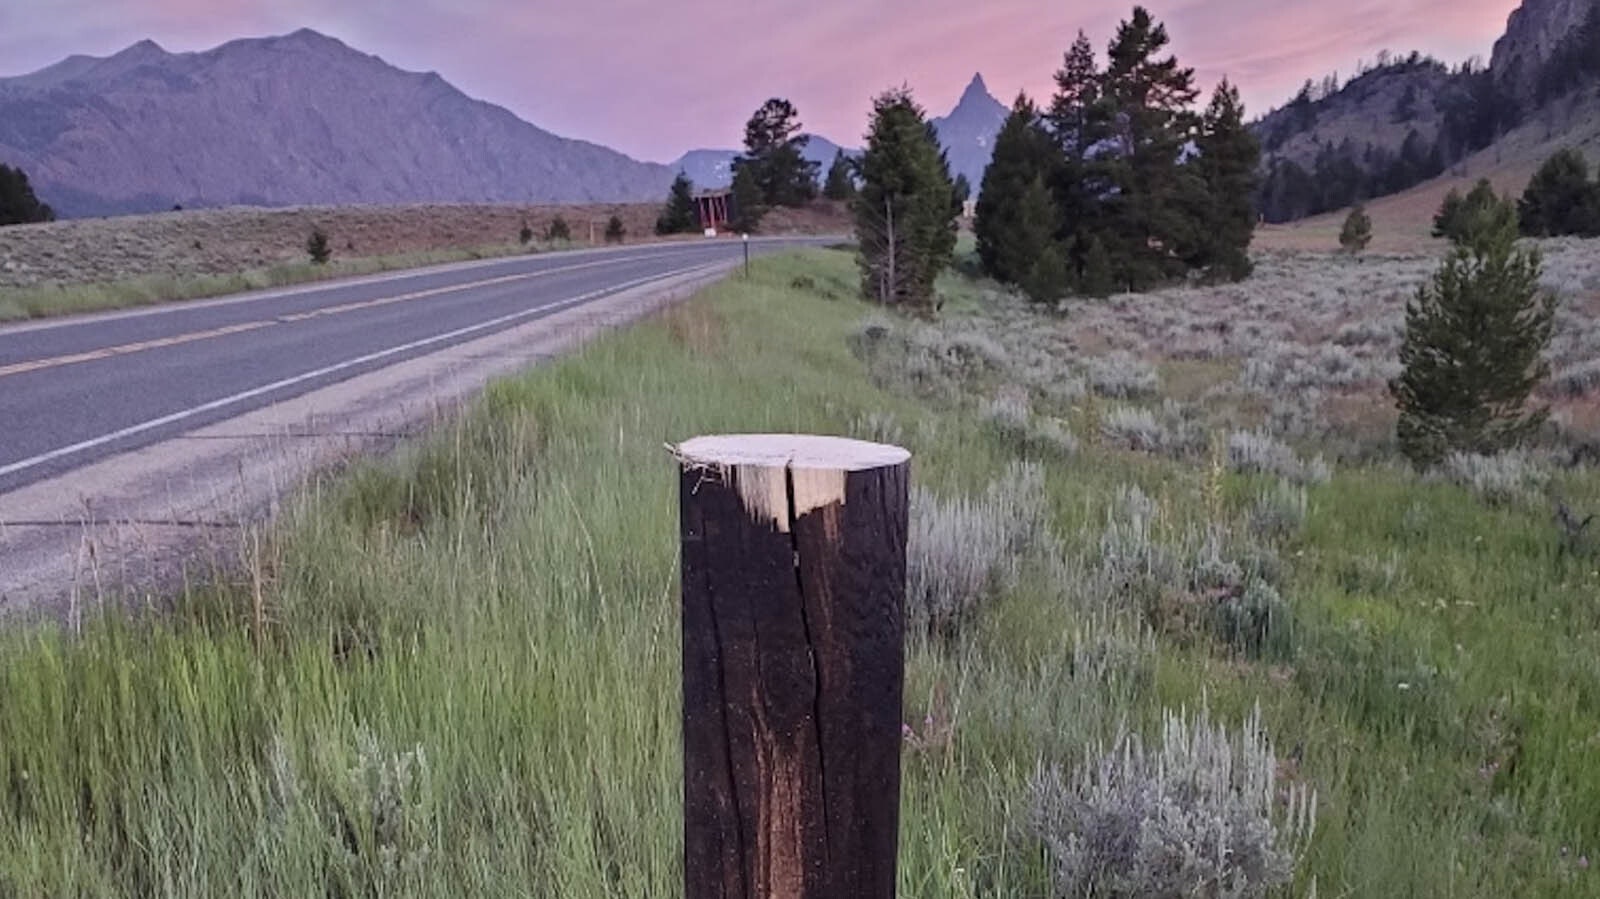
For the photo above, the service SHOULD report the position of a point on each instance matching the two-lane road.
(74, 391)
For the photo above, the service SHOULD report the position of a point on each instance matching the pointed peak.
(145, 47)
(976, 88)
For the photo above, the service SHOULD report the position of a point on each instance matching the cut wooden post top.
(781, 477)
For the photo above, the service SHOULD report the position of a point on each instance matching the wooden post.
(794, 572)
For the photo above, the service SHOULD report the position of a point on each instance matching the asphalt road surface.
(73, 391)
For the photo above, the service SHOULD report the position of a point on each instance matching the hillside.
(1409, 120)
(282, 121)
(1402, 221)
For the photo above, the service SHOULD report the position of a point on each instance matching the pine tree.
(18, 204)
(558, 230)
(1151, 209)
(1080, 121)
(317, 246)
(748, 208)
(1098, 278)
(1023, 157)
(775, 155)
(1229, 158)
(1042, 270)
(680, 215)
(1474, 349)
(1480, 216)
(1357, 231)
(1561, 199)
(1448, 219)
(615, 232)
(903, 212)
(841, 183)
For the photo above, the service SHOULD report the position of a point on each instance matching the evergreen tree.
(1447, 221)
(748, 207)
(775, 155)
(1079, 121)
(615, 232)
(525, 236)
(1474, 348)
(1479, 216)
(1008, 245)
(558, 230)
(960, 192)
(903, 213)
(841, 183)
(18, 204)
(680, 215)
(1561, 199)
(1097, 279)
(1229, 158)
(317, 246)
(1045, 278)
(1357, 231)
(1151, 221)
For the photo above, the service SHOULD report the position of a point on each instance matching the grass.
(72, 299)
(453, 672)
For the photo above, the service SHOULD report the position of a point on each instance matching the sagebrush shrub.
(1122, 376)
(1256, 452)
(962, 551)
(1500, 478)
(1196, 815)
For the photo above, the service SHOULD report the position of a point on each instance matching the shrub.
(317, 246)
(615, 231)
(1255, 452)
(1501, 478)
(1279, 511)
(1008, 413)
(1134, 428)
(1578, 380)
(1357, 231)
(1122, 375)
(1195, 815)
(558, 230)
(525, 236)
(960, 552)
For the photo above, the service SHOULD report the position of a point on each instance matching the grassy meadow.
(455, 671)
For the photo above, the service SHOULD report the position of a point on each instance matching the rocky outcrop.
(1533, 33)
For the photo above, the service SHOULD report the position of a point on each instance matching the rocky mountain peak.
(1533, 32)
(976, 91)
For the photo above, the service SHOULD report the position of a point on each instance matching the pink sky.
(654, 79)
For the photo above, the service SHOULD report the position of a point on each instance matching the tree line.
(1121, 184)
(18, 203)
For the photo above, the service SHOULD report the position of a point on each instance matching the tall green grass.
(454, 671)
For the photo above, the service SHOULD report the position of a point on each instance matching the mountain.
(714, 168)
(1413, 119)
(968, 132)
(296, 119)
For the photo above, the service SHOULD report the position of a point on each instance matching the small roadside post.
(747, 256)
(794, 579)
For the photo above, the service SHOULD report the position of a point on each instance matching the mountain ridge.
(286, 120)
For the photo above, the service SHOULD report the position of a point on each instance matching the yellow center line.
(126, 348)
(19, 368)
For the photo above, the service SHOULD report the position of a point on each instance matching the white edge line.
(254, 392)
